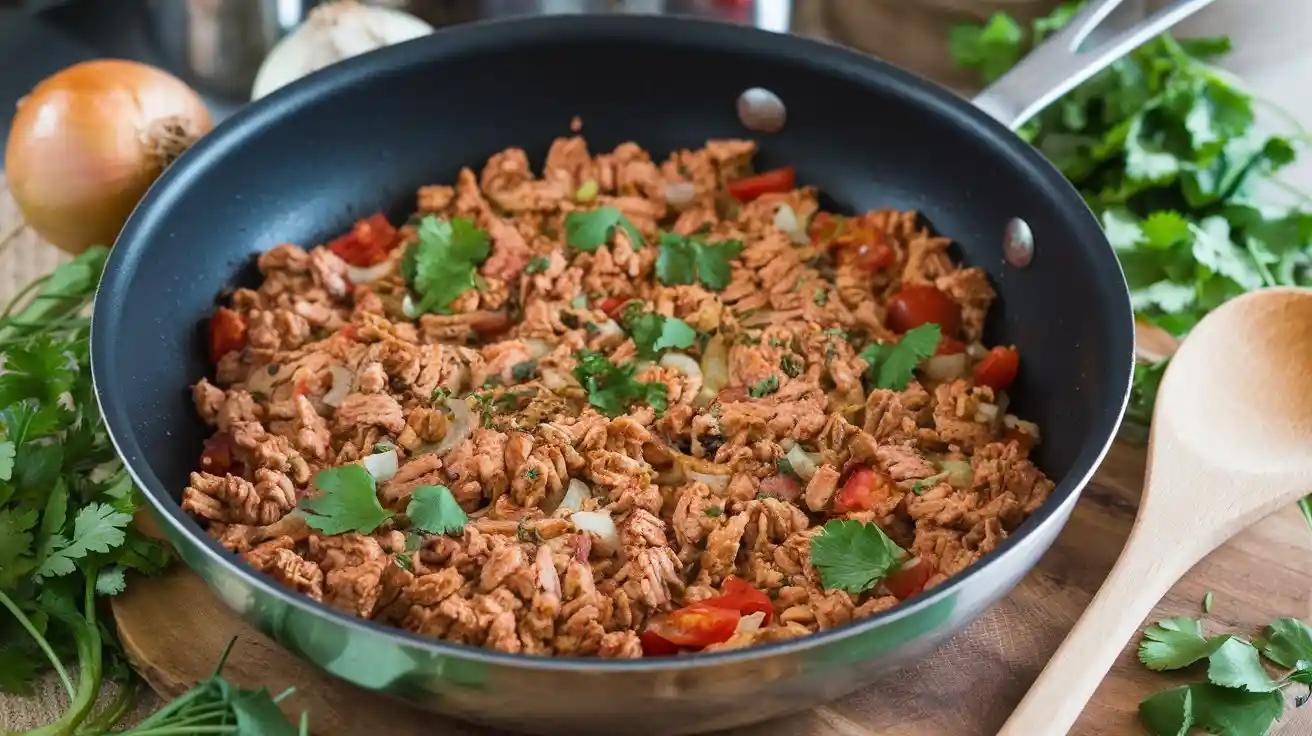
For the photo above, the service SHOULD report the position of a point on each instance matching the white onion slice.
(749, 623)
(959, 473)
(408, 307)
(358, 275)
(802, 463)
(1020, 425)
(381, 465)
(600, 524)
(342, 380)
(536, 348)
(462, 423)
(687, 366)
(715, 369)
(717, 483)
(609, 328)
(679, 193)
(575, 495)
(788, 221)
(944, 367)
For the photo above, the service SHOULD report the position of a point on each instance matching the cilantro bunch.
(1239, 697)
(1166, 151)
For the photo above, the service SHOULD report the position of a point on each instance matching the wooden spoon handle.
(1141, 576)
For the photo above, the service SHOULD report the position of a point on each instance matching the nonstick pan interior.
(364, 135)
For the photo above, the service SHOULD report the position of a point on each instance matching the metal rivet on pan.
(761, 110)
(1018, 243)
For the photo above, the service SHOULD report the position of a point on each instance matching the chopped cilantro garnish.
(538, 265)
(1172, 644)
(440, 394)
(791, 365)
(713, 511)
(442, 264)
(434, 510)
(891, 365)
(588, 231)
(612, 388)
(653, 333)
(852, 556)
(765, 386)
(820, 297)
(785, 467)
(349, 502)
(525, 371)
(688, 259)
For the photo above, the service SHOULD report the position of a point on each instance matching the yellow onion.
(89, 141)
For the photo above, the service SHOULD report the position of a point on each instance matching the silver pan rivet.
(1018, 243)
(761, 110)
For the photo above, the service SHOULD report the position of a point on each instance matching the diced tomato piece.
(874, 256)
(949, 345)
(824, 228)
(695, 626)
(771, 182)
(741, 596)
(998, 369)
(917, 304)
(348, 331)
(909, 579)
(863, 488)
(781, 487)
(368, 242)
(653, 645)
(611, 305)
(218, 456)
(227, 333)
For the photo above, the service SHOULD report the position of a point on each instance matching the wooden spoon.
(1231, 442)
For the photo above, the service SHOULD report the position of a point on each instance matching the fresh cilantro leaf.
(653, 333)
(434, 510)
(689, 259)
(612, 388)
(18, 669)
(111, 581)
(443, 262)
(713, 511)
(992, 49)
(1233, 663)
(791, 365)
(6, 460)
(1168, 713)
(1173, 643)
(538, 265)
(852, 556)
(15, 542)
(1286, 642)
(764, 387)
(1214, 709)
(524, 372)
(892, 365)
(348, 502)
(820, 297)
(588, 231)
(96, 528)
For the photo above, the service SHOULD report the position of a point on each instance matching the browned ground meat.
(695, 488)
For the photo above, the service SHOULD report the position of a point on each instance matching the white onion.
(381, 465)
(986, 413)
(685, 365)
(787, 220)
(408, 307)
(1020, 425)
(749, 623)
(609, 328)
(715, 369)
(358, 275)
(600, 524)
(342, 380)
(331, 33)
(679, 193)
(575, 495)
(536, 348)
(557, 380)
(802, 463)
(462, 423)
(959, 473)
(717, 483)
(944, 367)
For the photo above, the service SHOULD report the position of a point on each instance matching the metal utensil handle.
(1058, 65)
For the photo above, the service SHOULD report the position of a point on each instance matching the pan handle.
(1059, 64)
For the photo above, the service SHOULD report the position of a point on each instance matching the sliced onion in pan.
(342, 381)
(959, 473)
(751, 622)
(788, 221)
(945, 367)
(462, 423)
(680, 193)
(802, 463)
(536, 348)
(381, 465)
(600, 524)
(1020, 425)
(358, 275)
(575, 495)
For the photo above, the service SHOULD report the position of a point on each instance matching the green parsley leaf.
(764, 387)
(1214, 709)
(852, 556)
(993, 48)
(687, 259)
(7, 460)
(538, 265)
(443, 263)
(653, 333)
(588, 231)
(612, 388)
(96, 528)
(110, 581)
(15, 541)
(349, 502)
(1233, 663)
(1173, 643)
(892, 365)
(1168, 713)
(434, 510)
(1286, 642)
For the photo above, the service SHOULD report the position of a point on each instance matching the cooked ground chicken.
(695, 487)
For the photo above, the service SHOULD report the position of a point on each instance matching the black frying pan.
(301, 165)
